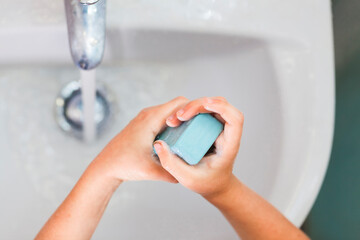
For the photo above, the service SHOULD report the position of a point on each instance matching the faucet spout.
(86, 31)
(88, 1)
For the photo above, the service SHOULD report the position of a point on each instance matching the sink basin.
(279, 73)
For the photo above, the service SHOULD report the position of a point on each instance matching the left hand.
(129, 156)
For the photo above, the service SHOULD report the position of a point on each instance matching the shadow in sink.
(173, 46)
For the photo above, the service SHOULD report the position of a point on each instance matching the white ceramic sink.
(273, 60)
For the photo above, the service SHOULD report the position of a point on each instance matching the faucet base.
(69, 109)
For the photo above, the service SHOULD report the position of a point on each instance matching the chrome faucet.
(86, 31)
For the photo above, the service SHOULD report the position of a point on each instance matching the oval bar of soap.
(192, 139)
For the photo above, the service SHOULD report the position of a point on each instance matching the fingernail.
(180, 112)
(158, 147)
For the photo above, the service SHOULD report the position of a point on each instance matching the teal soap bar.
(192, 139)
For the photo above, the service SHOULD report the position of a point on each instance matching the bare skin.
(250, 215)
(128, 157)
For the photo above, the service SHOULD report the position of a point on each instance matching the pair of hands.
(129, 156)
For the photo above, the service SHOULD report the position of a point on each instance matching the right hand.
(213, 174)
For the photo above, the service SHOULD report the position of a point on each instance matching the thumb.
(172, 163)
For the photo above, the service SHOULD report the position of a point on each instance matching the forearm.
(79, 214)
(251, 216)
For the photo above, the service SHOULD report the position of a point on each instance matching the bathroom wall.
(336, 213)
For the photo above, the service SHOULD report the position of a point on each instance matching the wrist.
(104, 170)
(217, 197)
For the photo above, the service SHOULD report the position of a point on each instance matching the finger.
(231, 117)
(162, 112)
(234, 119)
(160, 173)
(176, 102)
(191, 109)
(219, 143)
(218, 117)
(172, 163)
(172, 120)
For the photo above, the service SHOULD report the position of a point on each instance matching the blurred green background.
(336, 213)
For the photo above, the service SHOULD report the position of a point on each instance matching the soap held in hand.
(192, 139)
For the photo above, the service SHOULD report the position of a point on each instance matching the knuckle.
(239, 117)
(203, 100)
(181, 98)
(145, 113)
(190, 105)
(175, 102)
(221, 99)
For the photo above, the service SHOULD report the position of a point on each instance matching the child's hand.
(214, 172)
(129, 156)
